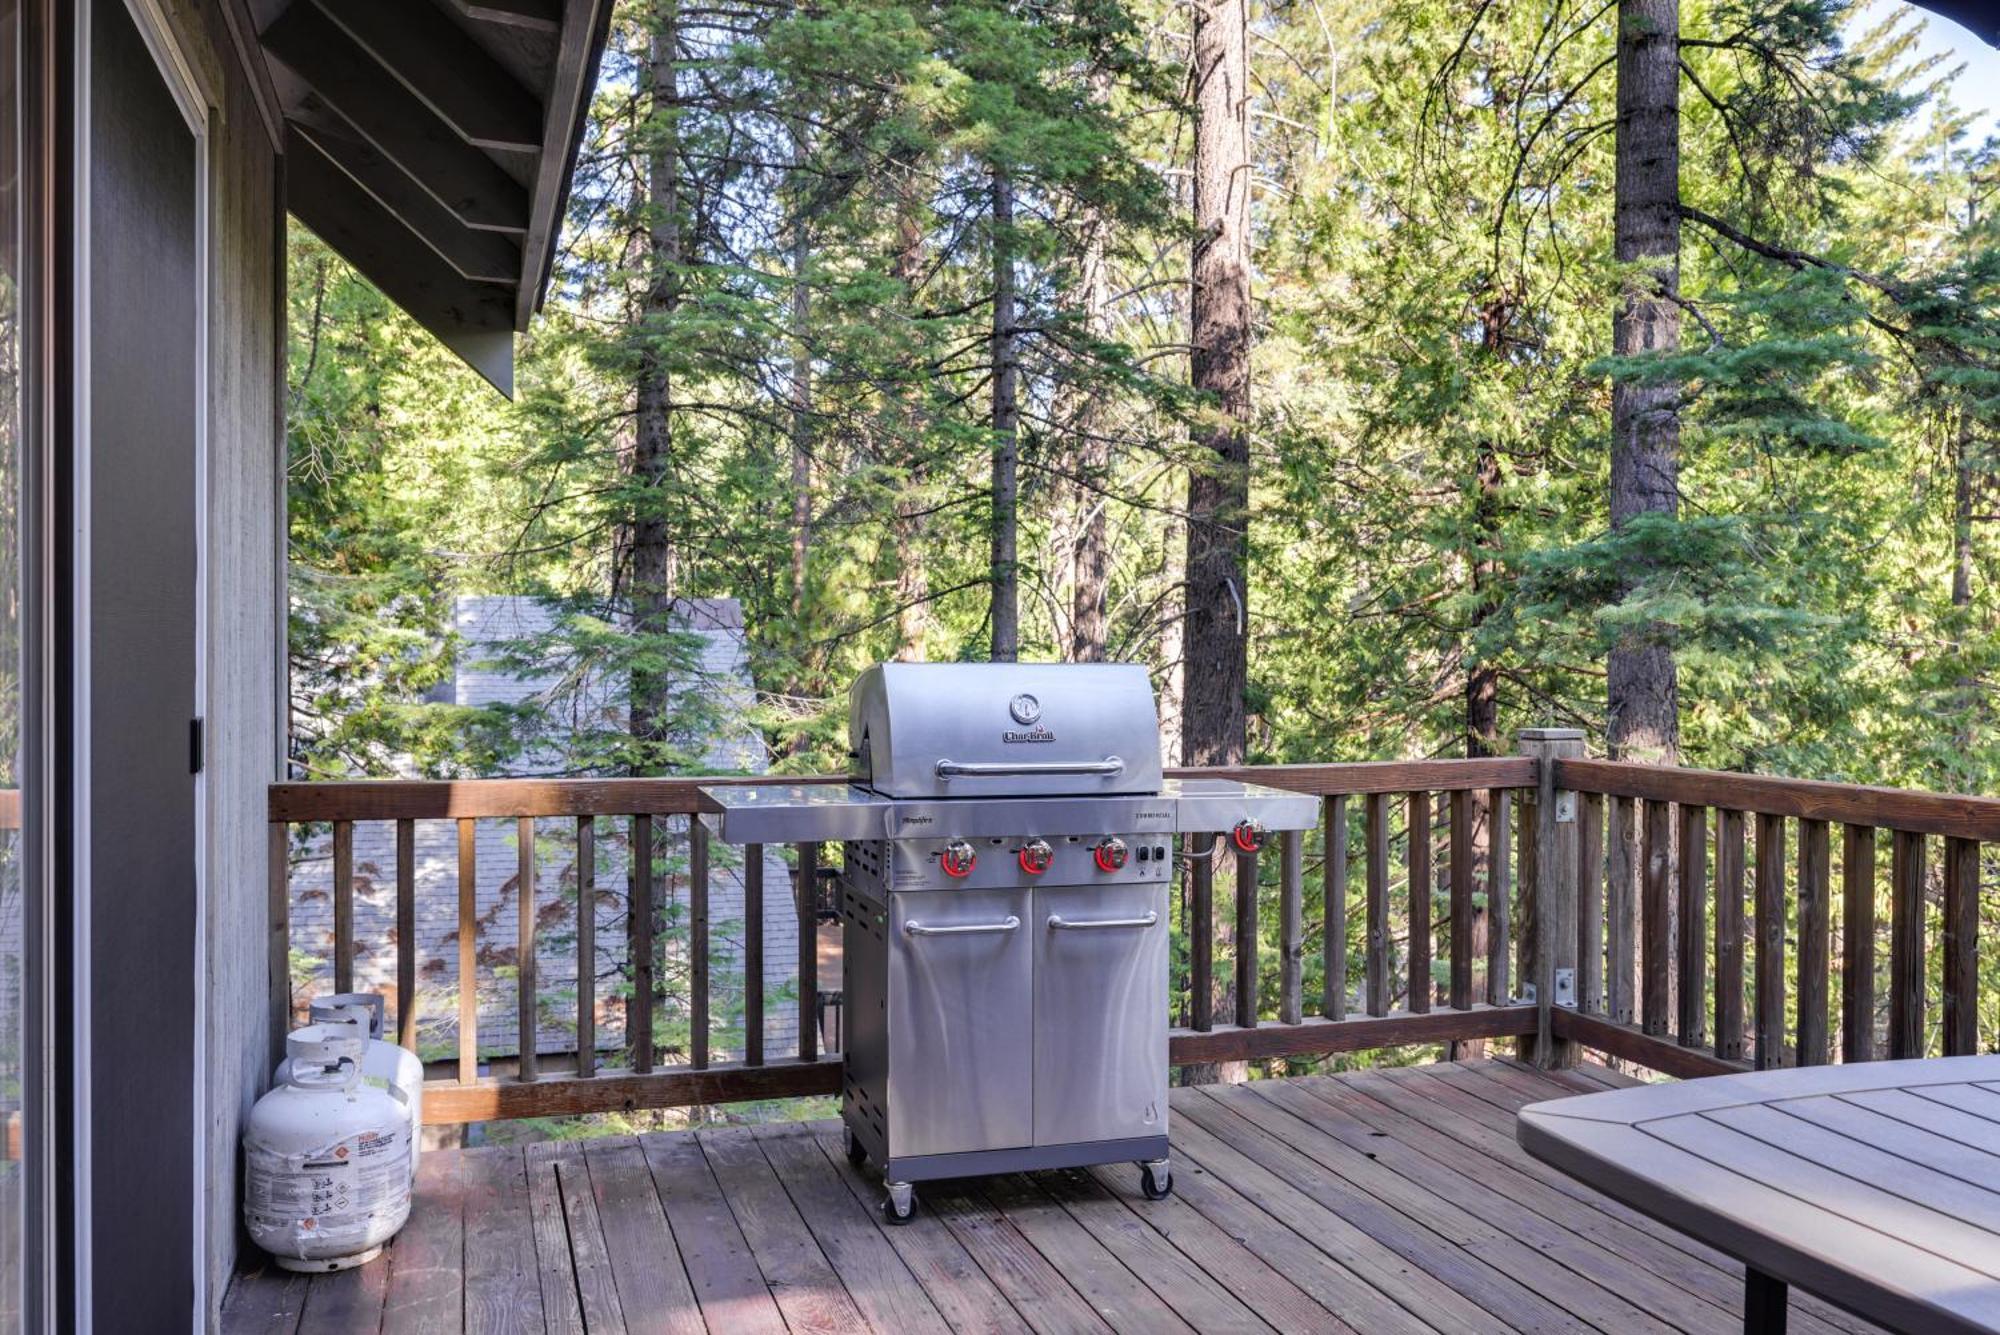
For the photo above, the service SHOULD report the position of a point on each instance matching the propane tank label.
(332, 1190)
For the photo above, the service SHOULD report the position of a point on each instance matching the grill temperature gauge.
(957, 858)
(1110, 855)
(1036, 855)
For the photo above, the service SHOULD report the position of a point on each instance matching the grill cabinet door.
(960, 1074)
(1100, 1013)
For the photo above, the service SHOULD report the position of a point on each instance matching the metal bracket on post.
(1565, 988)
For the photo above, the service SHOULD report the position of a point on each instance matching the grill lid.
(1004, 729)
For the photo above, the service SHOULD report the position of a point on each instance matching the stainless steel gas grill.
(1008, 844)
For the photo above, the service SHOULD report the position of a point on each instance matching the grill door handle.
(1062, 924)
(1008, 924)
(1109, 767)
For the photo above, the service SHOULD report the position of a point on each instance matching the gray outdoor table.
(1875, 1186)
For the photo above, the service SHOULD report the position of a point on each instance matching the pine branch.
(1794, 259)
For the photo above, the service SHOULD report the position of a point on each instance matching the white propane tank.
(326, 1156)
(385, 1065)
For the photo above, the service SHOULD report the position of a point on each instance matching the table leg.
(1764, 1303)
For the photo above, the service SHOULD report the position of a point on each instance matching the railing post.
(1550, 915)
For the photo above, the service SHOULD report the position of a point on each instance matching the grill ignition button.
(1036, 855)
(957, 858)
(1110, 855)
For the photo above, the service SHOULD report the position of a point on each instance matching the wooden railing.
(1376, 792)
(1720, 887)
(1624, 908)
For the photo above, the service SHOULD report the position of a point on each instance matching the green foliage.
(1433, 197)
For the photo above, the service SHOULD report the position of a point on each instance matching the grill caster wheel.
(899, 1203)
(855, 1154)
(1156, 1179)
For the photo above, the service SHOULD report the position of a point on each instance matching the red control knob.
(957, 858)
(1110, 855)
(1036, 855)
(1249, 835)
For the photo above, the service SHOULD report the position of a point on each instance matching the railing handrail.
(1955, 815)
(452, 799)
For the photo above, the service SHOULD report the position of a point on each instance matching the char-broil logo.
(1027, 712)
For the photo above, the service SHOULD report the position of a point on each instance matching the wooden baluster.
(406, 934)
(1291, 890)
(1961, 947)
(1857, 943)
(586, 947)
(343, 906)
(1729, 932)
(1460, 870)
(808, 894)
(1246, 940)
(1528, 863)
(1590, 903)
(1333, 910)
(753, 955)
(468, 951)
(278, 947)
(1499, 899)
(1377, 816)
(1815, 940)
(1201, 934)
(1692, 953)
(1654, 911)
(1906, 944)
(529, 1025)
(639, 938)
(1621, 912)
(1770, 984)
(698, 942)
(1418, 819)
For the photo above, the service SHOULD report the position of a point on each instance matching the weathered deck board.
(1513, 1283)
(1392, 1200)
(427, 1284)
(950, 1277)
(502, 1290)
(876, 1278)
(809, 1292)
(653, 1288)
(727, 1283)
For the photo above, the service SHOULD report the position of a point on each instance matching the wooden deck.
(1381, 1201)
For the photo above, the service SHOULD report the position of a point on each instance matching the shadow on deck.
(1377, 1201)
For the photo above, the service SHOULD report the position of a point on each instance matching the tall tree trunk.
(1482, 691)
(1642, 695)
(1216, 644)
(650, 587)
(801, 423)
(1971, 706)
(1219, 481)
(912, 579)
(1090, 549)
(1006, 604)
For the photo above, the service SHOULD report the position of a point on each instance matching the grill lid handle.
(1109, 767)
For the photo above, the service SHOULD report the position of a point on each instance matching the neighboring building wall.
(244, 638)
(486, 624)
